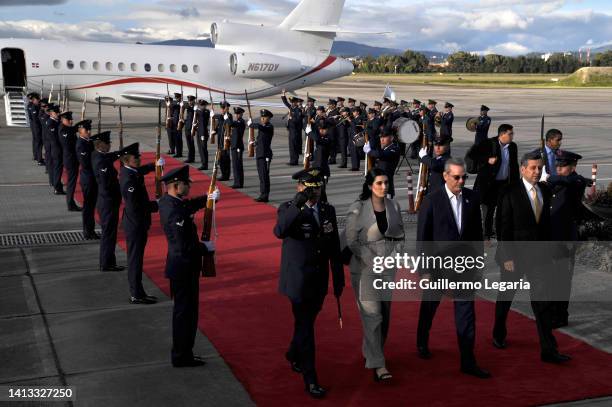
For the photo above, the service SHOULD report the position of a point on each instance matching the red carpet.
(250, 325)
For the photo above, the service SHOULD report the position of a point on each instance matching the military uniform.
(446, 125)
(35, 128)
(373, 128)
(189, 112)
(44, 131)
(68, 138)
(435, 165)
(57, 166)
(482, 127)
(87, 180)
(387, 158)
(355, 127)
(294, 125)
(136, 221)
(202, 136)
(310, 248)
(177, 135)
(183, 266)
(332, 132)
(263, 155)
(224, 159)
(109, 199)
(237, 148)
(342, 130)
(172, 129)
(323, 146)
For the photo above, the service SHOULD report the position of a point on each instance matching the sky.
(508, 27)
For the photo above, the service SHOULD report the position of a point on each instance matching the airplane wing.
(154, 97)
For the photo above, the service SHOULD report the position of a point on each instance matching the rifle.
(213, 125)
(120, 128)
(251, 130)
(196, 121)
(42, 87)
(227, 132)
(309, 144)
(158, 168)
(542, 139)
(99, 114)
(369, 160)
(208, 259)
(83, 106)
(59, 98)
(423, 175)
(181, 122)
(168, 113)
(51, 95)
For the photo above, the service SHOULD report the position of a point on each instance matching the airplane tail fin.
(321, 14)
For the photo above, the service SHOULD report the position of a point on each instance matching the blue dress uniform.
(42, 118)
(373, 128)
(202, 136)
(183, 266)
(170, 131)
(57, 166)
(309, 113)
(446, 125)
(68, 138)
(224, 159)
(87, 180)
(429, 126)
(482, 127)
(294, 125)
(387, 159)
(109, 200)
(342, 130)
(435, 165)
(189, 112)
(332, 132)
(136, 221)
(322, 146)
(178, 136)
(310, 248)
(35, 128)
(355, 127)
(238, 127)
(263, 154)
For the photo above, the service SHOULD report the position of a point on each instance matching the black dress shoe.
(355, 169)
(151, 297)
(189, 363)
(261, 199)
(236, 186)
(342, 166)
(113, 268)
(74, 208)
(315, 391)
(383, 377)
(59, 192)
(41, 163)
(424, 352)
(476, 372)
(188, 161)
(499, 344)
(202, 168)
(143, 300)
(170, 152)
(294, 365)
(91, 236)
(291, 164)
(555, 358)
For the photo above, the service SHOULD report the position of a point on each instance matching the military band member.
(183, 262)
(109, 198)
(87, 179)
(202, 135)
(178, 136)
(378, 106)
(431, 105)
(263, 152)
(295, 121)
(373, 128)
(33, 114)
(224, 159)
(446, 124)
(189, 112)
(387, 156)
(342, 131)
(351, 103)
(57, 165)
(136, 221)
(172, 129)
(428, 120)
(237, 147)
(355, 127)
(67, 139)
(332, 114)
(435, 163)
(340, 104)
(415, 112)
(311, 246)
(364, 111)
(482, 127)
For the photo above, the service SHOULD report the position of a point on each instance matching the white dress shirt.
(456, 203)
(502, 174)
(528, 188)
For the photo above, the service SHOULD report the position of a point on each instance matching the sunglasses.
(458, 177)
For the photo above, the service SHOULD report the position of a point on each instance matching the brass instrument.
(208, 259)
(251, 130)
(438, 119)
(471, 124)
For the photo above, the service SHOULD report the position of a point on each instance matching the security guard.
(311, 246)
(189, 112)
(224, 159)
(87, 179)
(446, 125)
(263, 152)
(387, 155)
(67, 139)
(136, 220)
(295, 121)
(202, 140)
(57, 166)
(109, 199)
(482, 127)
(183, 262)
(237, 147)
(435, 164)
(176, 112)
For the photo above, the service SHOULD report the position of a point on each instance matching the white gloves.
(249, 122)
(308, 128)
(161, 162)
(210, 245)
(252, 143)
(422, 152)
(216, 194)
(212, 114)
(545, 175)
(225, 116)
(367, 148)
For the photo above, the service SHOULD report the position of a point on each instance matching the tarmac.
(62, 322)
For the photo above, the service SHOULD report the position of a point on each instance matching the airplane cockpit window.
(83, 65)
(57, 64)
(172, 68)
(96, 65)
(121, 66)
(196, 68)
(148, 67)
(160, 67)
(133, 67)
(70, 64)
(109, 66)
(184, 68)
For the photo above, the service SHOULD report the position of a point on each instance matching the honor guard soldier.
(68, 138)
(431, 105)
(320, 135)
(176, 113)
(189, 112)
(435, 164)
(263, 152)
(202, 140)
(415, 112)
(311, 246)
(340, 101)
(310, 111)
(351, 103)
(482, 127)
(295, 120)
(237, 147)
(387, 155)
(87, 179)
(172, 129)
(183, 262)
(224, 159)
(43, 115)
(355, 127)
(446, 124)
(378, 106)
(57, 166)
(342, 130)
(137, 209)
(332, 114)
(109, 198)
(33, 114)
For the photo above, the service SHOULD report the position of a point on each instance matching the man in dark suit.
(523, 220)
(311, 246)
(183, 262)
(497, 163)
(451, 214)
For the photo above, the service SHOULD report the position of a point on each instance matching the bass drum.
(359, 139)
(406, 129)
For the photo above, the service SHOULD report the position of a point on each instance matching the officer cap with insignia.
(132, 149)
(340, 99)
(403, 102)
(416, 102)
(363, 105)
(54, 108)
(423, 108)
(442, 140)
(104, 137)
(238, 110)
(66, 115)
(377, 103)
(372, 111)
(431, 102)
(565, 158)
(224, 104)
(332, 102)
(449, 105)
(356, 109)
(351, 100)
(321, 108)
(86, 124)
(310, 178)
(386, 100)
(191, 98)
(266, 113)
(295, 99)
(345, 109)
(484, 108)
(178, 96)
(203, 102)
(312, 100)
(44, 101)
(388, 130)
(177, 175)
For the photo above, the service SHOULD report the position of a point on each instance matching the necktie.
(537, 209)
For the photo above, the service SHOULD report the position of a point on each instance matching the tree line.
(465, 62)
